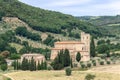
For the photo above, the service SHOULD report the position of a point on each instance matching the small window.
(82, 48)
(87, 37)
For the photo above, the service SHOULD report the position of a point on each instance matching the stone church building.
(82, 46)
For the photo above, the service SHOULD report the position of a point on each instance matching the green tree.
(4, 67)
(71, 64)
(14, 64)
(108, 41)
(32, 65)
(101, 42)
(61, 57)
(108, 53)
(14, 56)
(92, 48)
(25, 64)
(78, 57)
(56, 65)
(103, 48)
(38, 66)
(62, 60)
(66, 58)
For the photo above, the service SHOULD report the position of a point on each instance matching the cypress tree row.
(29, 65)
(42, 66)
(62, 60)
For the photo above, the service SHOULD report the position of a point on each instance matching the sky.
(79, 7)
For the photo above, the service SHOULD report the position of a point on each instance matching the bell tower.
(85, 38)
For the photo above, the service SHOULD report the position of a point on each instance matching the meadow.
(111, 72)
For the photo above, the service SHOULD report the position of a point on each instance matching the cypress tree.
(66, 58)
(61, 54)
(92, 48)
(45, 65)
(71, 64)
(19, 65)
(42, 65)
(25, 64)
(62, 60)
(39, 66)
(14, 64)
(32, 65)
(78, 57)
(35, 66)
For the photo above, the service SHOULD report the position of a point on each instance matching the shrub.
(4, 67)
(8, 79)
(68, 71)
(75, 64)
(49, 68)
(113, 61)
(81, 62)
(103, 56)
(98, 60)
(57, 66)
(89, 77)
(89, 65)
(108, 62)
(94, 63)
(101, 62)
(14, 56)
(83, 66)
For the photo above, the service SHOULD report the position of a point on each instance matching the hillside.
(44, 20)
(110, 23)
(25, 29)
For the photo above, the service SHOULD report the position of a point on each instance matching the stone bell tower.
(85, 38)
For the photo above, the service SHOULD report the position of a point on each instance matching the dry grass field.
(102, 73)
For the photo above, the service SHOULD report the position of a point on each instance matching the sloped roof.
(69, 42)
(24, 55)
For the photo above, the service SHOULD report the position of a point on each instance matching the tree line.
(63, 59)
(22, 31)
(44, 20)
(29, 65)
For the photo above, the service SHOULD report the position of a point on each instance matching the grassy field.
(0, 76)
(102, 73)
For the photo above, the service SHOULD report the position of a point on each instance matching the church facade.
(82, 46)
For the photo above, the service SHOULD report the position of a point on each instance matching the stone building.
(82, 46)
(37, 57)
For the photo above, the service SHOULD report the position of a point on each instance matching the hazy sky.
(79, 7)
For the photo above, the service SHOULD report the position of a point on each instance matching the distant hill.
(44, 20)
(110, 23)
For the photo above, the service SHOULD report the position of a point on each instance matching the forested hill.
(101, 20)
(44, 20)
(110, 23)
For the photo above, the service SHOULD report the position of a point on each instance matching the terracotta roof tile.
(69, 42)
(61, 48)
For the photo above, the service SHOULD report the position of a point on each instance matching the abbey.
(82, 46)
